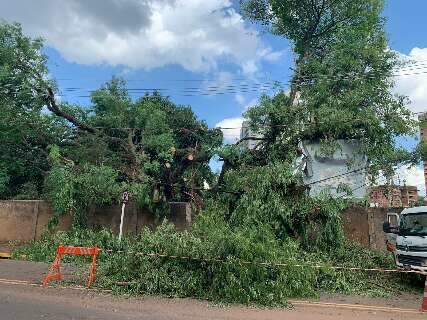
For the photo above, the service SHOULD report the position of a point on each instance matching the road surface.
(22, 298)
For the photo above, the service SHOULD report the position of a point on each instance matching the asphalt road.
(22, 298)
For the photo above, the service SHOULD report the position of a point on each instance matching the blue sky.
(198, 52)
(214, 96)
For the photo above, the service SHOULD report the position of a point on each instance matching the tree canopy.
(341, 88)
(88, 155)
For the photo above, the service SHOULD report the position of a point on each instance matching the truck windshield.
(413, 224)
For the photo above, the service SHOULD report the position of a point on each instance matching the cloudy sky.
(198, 52)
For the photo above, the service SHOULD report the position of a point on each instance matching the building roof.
(392, 187)
(415, 210)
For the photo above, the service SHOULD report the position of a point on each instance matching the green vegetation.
(258, 208)
(231, 281)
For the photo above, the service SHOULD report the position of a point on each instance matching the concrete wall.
(364, 225)
(355, 222)
(26, 220)
(18, 220)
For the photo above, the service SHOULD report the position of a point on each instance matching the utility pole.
(125, 199)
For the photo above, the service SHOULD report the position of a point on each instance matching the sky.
(199, 52)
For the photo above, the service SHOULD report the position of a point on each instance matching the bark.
(250, 138)
(54, 108)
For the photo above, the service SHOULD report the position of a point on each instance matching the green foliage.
(20, 59)
(160, 151)
(420, 153)
(276, 202)
(307, 23)
(341, 89)
(146, 143)
(4, 179)
(74, 189)
(229, 281)
(151, 146)
(25, 131)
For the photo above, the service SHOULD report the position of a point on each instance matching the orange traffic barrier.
(55, 269)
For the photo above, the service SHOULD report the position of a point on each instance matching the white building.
(245, 132)
(346, 167)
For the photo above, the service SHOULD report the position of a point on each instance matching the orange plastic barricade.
(55, 269)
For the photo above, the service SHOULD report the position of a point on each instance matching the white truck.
(407, 237)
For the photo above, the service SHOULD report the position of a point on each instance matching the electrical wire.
(257, 86)
(78, 92)
(337, 176)
(248, 127)
(310, 123)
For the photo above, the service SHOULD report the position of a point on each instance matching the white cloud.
(231, 135)
(222, 82)
(269, 55)
(195, 34)
(409, 175)
(418, 53)
(412, 176)
(233, 125)
(249, 67)
(414, 85)
(240, 99)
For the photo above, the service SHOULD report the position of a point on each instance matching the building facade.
(423, 132)
(245, 132)
(345, 169)
(338, 173)
(390, 196)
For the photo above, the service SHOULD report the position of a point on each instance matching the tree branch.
(53, 107)
(250, 138)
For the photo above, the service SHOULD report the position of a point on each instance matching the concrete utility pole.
(125, 199)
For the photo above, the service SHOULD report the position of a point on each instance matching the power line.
(220, 189)
(247, 127)
(209, 91)
(336, 176)
(269, 84)
(310, 123)
(411, 64)
(245, 87)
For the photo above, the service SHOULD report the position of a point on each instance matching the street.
(22, 298)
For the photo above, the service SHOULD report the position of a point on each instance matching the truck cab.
(410, 238)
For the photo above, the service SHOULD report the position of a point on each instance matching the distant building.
(423, 132)
(346, 168)
(390, 196)
(343, 170)
(245, 132)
